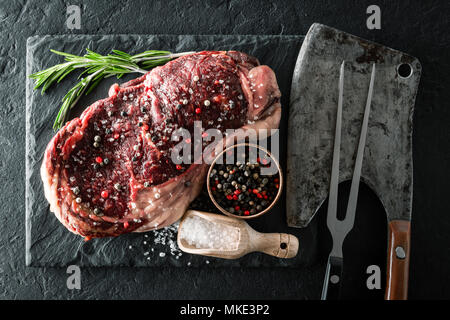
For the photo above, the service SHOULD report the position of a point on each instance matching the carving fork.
(340, 228)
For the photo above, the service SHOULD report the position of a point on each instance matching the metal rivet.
(334, 279)
(400, 252)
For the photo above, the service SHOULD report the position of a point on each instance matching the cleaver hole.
(404, 70)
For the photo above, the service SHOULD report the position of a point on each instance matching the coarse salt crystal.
(202, 233)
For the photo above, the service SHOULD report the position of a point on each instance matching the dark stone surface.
(48, 242)
(419, 28)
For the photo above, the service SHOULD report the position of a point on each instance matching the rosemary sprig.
(96, 68)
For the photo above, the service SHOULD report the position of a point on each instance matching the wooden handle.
(398, 260)
(281, 245)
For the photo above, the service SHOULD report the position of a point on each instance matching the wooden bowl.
(219, 156)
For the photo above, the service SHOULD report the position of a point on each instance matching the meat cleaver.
(387, 167)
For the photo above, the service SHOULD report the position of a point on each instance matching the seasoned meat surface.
(110, 171)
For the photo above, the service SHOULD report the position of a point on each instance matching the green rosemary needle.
(96, 68)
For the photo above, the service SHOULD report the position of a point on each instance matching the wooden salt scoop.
(281, 245)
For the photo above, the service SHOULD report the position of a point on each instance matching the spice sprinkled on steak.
(110, 171)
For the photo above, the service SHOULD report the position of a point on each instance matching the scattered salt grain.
(164, 240)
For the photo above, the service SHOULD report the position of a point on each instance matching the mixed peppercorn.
(241, 189)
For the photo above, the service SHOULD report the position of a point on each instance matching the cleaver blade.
(387, 167)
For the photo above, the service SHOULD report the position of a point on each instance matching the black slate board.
(48, 243)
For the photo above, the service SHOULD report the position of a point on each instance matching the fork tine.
(353, 198)
(334, 181)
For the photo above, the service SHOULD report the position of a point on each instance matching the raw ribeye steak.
(110, 171)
